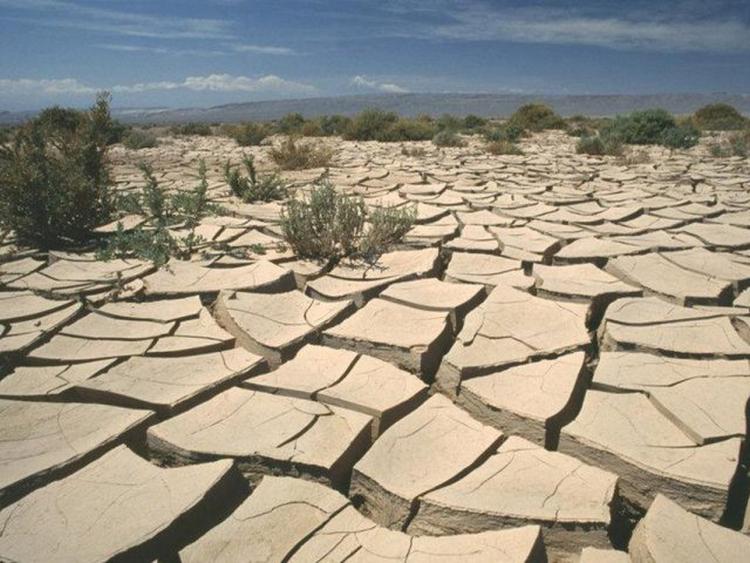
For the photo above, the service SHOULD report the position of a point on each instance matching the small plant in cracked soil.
(254, 187)
(295, 155)
(171, 220)
(328, 225)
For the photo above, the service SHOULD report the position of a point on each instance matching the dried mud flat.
(554, 365)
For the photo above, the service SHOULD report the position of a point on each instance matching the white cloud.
(210, 83)
(263, 49)
(480, 22)
(364, 82)
(44, 86)
(223, 83)
(160, 50)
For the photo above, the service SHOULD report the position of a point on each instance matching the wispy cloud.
(269, 83)
(263, 49)
(364, 82)
(223, 83)
(479, 21)
(65, 14)
(161, 50)
(45, 86)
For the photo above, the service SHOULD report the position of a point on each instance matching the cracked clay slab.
(119, 505)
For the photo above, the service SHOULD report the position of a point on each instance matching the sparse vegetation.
(503, 147)
(200, 129)
(508, 133)
(377, 125)
(448, 138)
(472, 122)
(536, 117)
(169, 230)
(719, 117)
(254, 187)
(293, 154)
(736, 144)
(139, 139)
(247, 134)
(54, 177)
(328, 225)
(680, 137)
(334, 124)
(600, 145)
(291, 124)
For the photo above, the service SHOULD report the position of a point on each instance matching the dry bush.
(295, 155)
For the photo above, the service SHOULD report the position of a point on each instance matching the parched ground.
(554, 365)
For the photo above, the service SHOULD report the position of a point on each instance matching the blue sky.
(187, 53)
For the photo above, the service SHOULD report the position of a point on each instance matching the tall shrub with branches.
(55, 184)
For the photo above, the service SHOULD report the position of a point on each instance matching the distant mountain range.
(486, 105)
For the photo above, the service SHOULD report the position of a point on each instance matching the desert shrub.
(472, 122)
(334, 124)
(369, 125)
(139, 139)
(248, 134)
(291, 124)
(157, 240)
(718, 117)
(6, 134)
(254, 187)
(736, 144)
(509, 133)
(600, 145)
(405, 129)
(581, 132)
(295, 155)
(681, 137)
(448, 138)
(328, 225)
(503, 147)
(536, 117)
(54, 178)
(645, 127)
(311, 129)
(200, 129)
(117, 132)
(448, 122)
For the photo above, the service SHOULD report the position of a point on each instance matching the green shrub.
(117, 132)
(247, 134)
(509, 133)
(536, 117)
(405, 129)
(291, 124)
(719, 117)
(448, 122)
(54, 178)
(503, 147)
(369, 125)
(641, 127)
(334, 124)
(448, 138)
(200, 129)
(254, 187)
(295, 155)
(682, 137)
(311, 129)
(139, 139)
(600, 145)
(472, 122)
(328, 225)
(157, 240)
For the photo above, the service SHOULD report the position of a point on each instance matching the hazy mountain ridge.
(487, 105)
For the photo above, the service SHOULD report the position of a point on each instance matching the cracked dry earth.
(555, 365)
